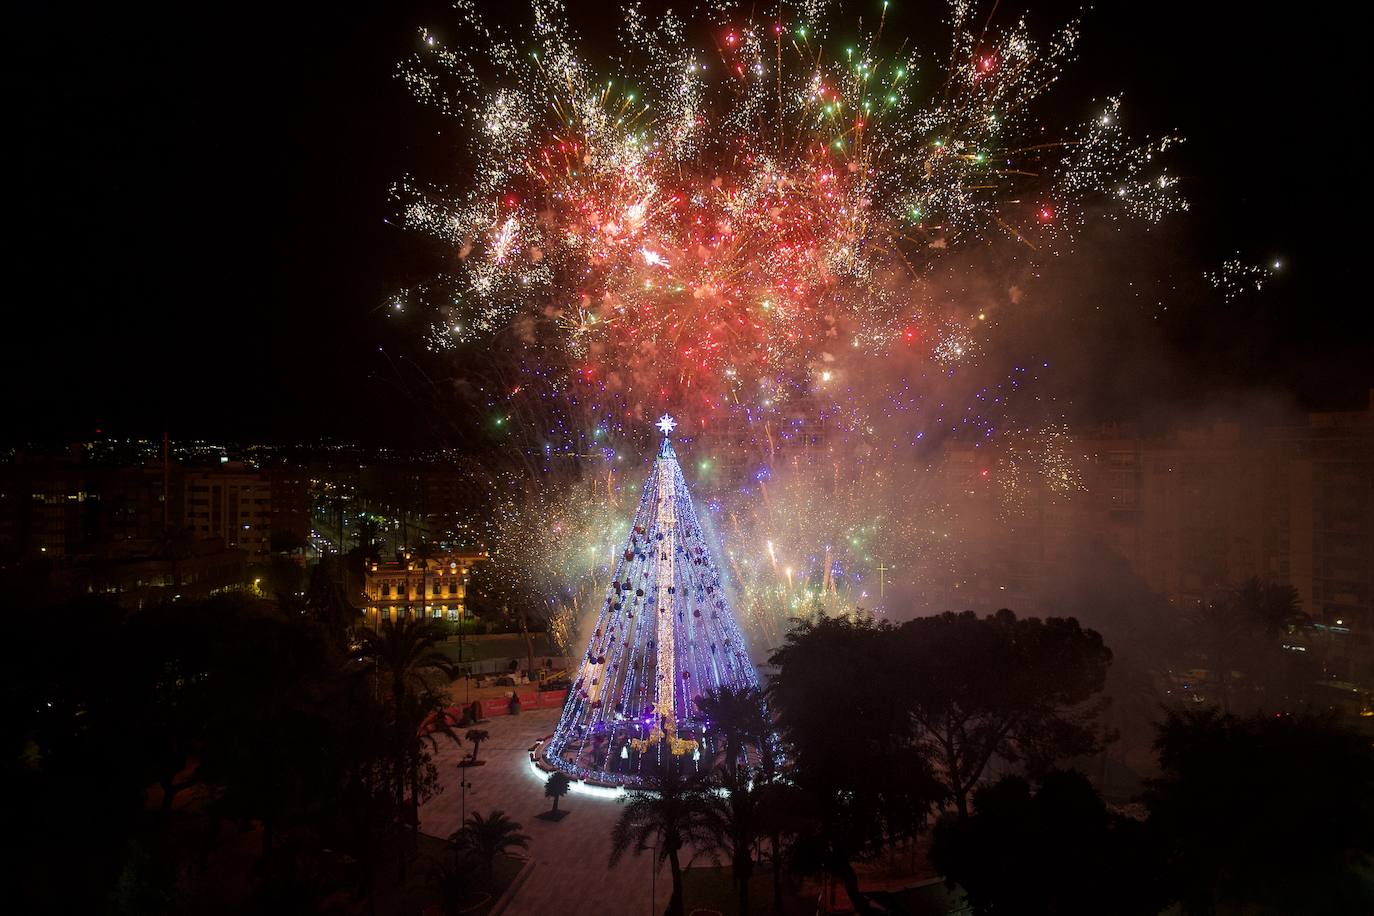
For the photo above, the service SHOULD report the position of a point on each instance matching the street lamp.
(462, 614)
(653, 880)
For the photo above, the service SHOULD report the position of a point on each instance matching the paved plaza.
(567, 873)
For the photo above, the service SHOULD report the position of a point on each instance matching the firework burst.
(737, 198)
(1237, 277)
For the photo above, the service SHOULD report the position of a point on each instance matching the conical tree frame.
(664, 636)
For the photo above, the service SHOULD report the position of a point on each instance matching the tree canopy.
(1275, 813)
(1054, 849)
(1019, 689)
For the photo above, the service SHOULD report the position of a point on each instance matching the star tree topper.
(666, 424)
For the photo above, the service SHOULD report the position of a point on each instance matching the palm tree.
(737, 715)
(427, 719)
(326, 600)
(453, 881)
(404, 657)
(740, 717)
(476, 736)
(490, 836)
(1273, 607)
(736, 826)
(556, 787)
(781, 810)
(676, 812)
(1239, 631)
(404, 654)
(368, 536)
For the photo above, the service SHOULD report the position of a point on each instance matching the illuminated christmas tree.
(664, 636)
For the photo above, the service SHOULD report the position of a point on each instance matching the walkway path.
(569, 873)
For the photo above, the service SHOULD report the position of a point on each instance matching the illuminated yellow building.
(435, 586)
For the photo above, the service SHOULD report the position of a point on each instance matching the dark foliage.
(487, 837)
(853, 745)
(740, 721)
(1274, 813)
(144, 742)
(676, 813)
(1056, 850)
(1238, 640)
(556, 787)
(1022, 690)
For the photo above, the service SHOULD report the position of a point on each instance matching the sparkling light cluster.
(1032, 461)
(1236, 277)
(841, 502)
(771, 225)
(740, 197)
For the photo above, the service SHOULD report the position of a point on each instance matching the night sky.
(202, 195)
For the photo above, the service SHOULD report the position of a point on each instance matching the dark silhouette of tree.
(424, 715)
(476, 736)
(287, 542)
(1018, 689)
(326, 601)
(738, 717)
(745, 713)
(1056, 850)
(1274, 605)
(286, 575)
(1147, 636)
(675, 812)
(365, 820)
(454, 879)
(851, 739)
(422, 555)
(269, 736)
(403, 653)
(1240, 638)
(782, 815)
(74, 752)
(403, 657)
(556, 787)
(168, 655)
(1271, 813)
(369, 537)
(288, 745)
(736, 826)
(279, 729)
(488, 837)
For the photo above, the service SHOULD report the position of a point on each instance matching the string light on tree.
(664, 636)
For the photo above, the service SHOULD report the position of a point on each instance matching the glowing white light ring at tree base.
(575, 786)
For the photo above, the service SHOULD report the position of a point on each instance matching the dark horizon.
(205, 250)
